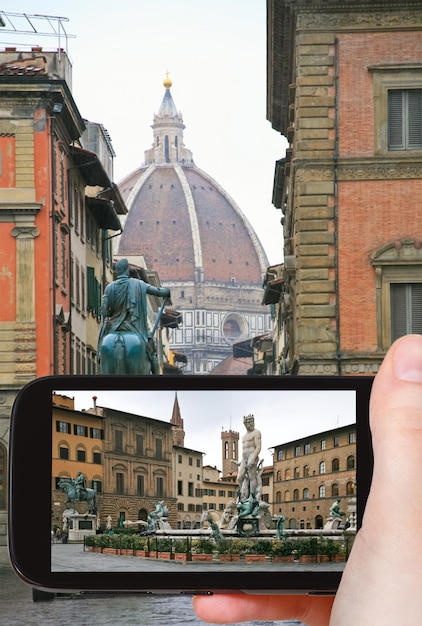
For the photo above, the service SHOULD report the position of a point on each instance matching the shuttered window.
(405, 119)
(406, 309)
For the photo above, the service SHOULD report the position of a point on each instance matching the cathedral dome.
(180, 219)
(189, 230)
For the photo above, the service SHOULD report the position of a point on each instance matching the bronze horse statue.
(125, 353)
(125, 345)
(85, 495)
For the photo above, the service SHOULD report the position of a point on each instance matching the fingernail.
(408, 359)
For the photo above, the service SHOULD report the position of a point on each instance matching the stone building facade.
(345, 89)
(311, 473)
(138, 466)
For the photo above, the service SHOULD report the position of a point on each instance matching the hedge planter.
(109, 550)
(182, 556)
(141, 553)
(202, 557)
(284, 559)
(339, 558)
(255, 558)
(228, 558)
(307, 558)
(323, 558)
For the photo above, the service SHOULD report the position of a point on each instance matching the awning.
(242, 349)
(104, 213)
(273, 290)
(90, 167)
(171, 318)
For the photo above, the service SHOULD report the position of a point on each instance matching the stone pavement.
(73, 557)
(18, 608)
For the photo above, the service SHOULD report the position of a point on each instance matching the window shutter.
(406, 309)
(395, 119)
(92, 296)
(398, 310)
(417, 308)
(415, 118)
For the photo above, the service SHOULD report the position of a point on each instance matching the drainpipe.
(336, 157)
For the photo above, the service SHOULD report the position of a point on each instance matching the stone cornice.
(369, 169)
(355, 20)
(287, 17)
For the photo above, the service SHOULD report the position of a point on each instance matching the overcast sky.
(280, 415)
(215, 51)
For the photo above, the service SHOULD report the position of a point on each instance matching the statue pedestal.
(78, 526)
(248, 526)
(333, 523)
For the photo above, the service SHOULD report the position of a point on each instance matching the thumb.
(382, 577)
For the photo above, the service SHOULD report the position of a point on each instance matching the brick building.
(345, 89)
(311, 473)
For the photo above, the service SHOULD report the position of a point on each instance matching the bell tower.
(230, 451)
(177, 425)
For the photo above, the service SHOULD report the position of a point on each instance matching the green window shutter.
(92, 294)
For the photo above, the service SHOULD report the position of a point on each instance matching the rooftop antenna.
(33, 24)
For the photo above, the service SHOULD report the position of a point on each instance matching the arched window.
(286, 496)
(278, 496)
(306, 470)
(335, 465)
(278, 475)
(296, 494)
(334, 490)
(350, 462)
(3, 476)
(322, 467)
(319, 522)
(302, 524)
(398, 283)
(280, 455)
(287, 474)
(226, 449)
(306, 494)
(296, 472)
(292, 523)
(321, 491)
(350, 489)
(166, 149)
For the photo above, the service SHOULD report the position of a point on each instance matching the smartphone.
(187, 484)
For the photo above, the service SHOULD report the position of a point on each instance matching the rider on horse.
(80, 484)
(124, 309)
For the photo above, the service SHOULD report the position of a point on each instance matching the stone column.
(25, 272)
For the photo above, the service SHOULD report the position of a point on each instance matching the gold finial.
(167, 82)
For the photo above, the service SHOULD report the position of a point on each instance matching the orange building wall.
(371, 213)
(356, 133)
(7, 274)
(7, 165)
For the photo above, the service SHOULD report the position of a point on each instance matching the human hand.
(381, 581)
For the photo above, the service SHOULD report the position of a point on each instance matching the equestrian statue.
(125, 345)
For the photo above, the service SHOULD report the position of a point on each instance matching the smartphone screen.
(176, 480)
